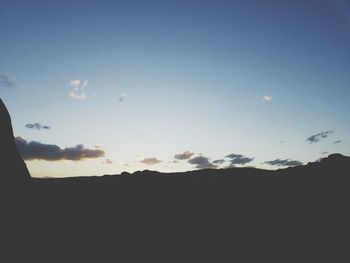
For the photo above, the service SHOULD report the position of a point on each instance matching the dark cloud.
(48, 152)
(286, 162)
(37, 126)
(150, 161)
(220, 161)
(336, 142)
(202, 162)
(324, 153)
(184, 156)
(317, 137)
(7, 82)
(238, 159)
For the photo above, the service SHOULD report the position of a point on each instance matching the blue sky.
(209, 77)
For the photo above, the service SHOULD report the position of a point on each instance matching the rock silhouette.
(12, 166)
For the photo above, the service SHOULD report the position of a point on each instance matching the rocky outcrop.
(12, 166)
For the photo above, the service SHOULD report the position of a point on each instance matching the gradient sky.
(158, 78)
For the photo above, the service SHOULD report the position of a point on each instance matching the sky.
(102, 87)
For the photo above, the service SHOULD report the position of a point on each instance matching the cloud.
(220, 161)
(324, 153)
(7, 81)
(78, 91)
(150, 161)
(336, 142)
(317, 137)
(37, 126)
(122, 97)
(183, 156)
(285, 162)
(239, 159)
(202, 162)
(48, 152)
(266, 98)
(108, 161)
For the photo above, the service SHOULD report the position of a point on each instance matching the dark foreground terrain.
(298, 214)
(294, 215)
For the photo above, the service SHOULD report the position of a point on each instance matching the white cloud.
(81, 96)
(74, 83)
(266, 98)
(77, 90)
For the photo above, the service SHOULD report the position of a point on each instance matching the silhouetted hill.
(333, 167)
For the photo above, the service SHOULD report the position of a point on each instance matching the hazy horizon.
(102, 87)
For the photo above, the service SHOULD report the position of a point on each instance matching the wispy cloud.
(150, 161)
(49, 152)
(336, 142)
(285, 162)
(266, 98)
(7, 81)
(238, 159)
(37, 126)
(317, 137)
(108, 161)
(184, 156)
(78, 89)
(202, 162)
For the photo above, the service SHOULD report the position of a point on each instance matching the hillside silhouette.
(334, 166)
(12, 166)
(213, 214)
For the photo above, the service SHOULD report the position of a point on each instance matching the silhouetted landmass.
(13, 168)
(217, 215)
(333, 167)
